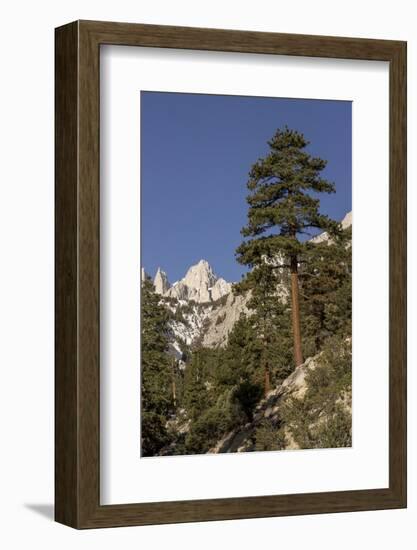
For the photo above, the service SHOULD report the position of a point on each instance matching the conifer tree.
(156, 391)
(241, 356)
(281, 210)
(239, 365)
(197, 398)
(269, 318)
(326, 288)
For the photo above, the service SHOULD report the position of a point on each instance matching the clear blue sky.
(196, 152)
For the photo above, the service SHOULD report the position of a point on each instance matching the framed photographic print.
(230, 274)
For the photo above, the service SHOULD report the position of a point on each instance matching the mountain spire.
(161, 282)
(199, 284)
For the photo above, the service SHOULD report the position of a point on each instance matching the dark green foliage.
(154, 433)
(221, 388)
(213, 423)
(221, 301)
(214, 303)
(169, 300)
(188, 308)
(322, 417)
(241, 356)
(326, 290)
(269, 437)
(156, 376)
(247, 395)
(280, 199)
(270, 321)
(198, 394)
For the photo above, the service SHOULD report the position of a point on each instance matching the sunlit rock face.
(200, 284)
(161, 282)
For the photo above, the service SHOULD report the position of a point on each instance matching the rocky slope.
(203, 305)
(270, 411)
(222, 319)
(241, 440)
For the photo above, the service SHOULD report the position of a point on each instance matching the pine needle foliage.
(156, 396)
(322, 417)
(281, 200)
(282, 208)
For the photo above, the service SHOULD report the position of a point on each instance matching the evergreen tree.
(196, 397)
(269, 321)
(281, 209)
(238, 369)
(326, 289)
(241, 355)
(156, 387)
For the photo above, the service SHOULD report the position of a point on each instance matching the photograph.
(246, 274)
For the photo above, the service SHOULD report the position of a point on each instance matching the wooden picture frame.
(77, 374)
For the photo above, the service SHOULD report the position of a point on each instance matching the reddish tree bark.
(295, 311)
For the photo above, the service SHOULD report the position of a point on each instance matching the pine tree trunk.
(267, 379)
(295, 308)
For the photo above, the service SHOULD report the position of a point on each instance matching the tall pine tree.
(281, 209)
(156, 387)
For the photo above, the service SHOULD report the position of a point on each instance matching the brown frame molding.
(77, 359)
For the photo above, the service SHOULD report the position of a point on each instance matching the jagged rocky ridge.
(200, 285)
(203, 305)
